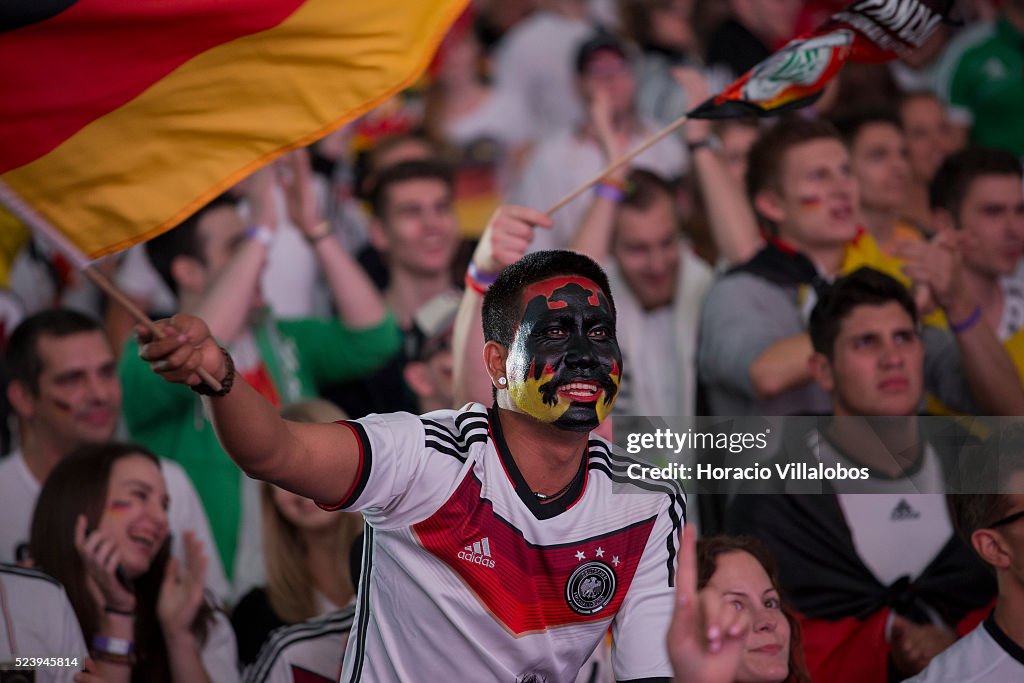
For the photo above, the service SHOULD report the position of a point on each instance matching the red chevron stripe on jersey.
(531, 587)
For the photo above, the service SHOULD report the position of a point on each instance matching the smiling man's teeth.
(580, 388)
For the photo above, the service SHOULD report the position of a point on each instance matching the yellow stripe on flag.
(145, 167)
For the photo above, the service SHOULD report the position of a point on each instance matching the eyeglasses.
(1009, 519)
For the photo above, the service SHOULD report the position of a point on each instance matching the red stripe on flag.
(87, 61)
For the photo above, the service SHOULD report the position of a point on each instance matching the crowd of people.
(396, 465)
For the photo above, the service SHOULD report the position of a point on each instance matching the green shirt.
(300, 356)
(981, 77)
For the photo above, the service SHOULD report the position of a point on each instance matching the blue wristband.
(485, 280)
(609, 192)
(971, 321)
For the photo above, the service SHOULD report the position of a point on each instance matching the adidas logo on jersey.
(903, 511)
(478, 553)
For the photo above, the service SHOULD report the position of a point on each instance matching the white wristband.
(260, 233)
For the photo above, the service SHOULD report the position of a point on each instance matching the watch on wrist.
(711, 142)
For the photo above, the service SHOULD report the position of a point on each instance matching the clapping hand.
(181, 593)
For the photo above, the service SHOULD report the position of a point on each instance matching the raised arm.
(594, 235)
(227, 303)
(707, 635)
(733, 223)
(358, 302)
(318, 461)
(988, 368)
(505, 241)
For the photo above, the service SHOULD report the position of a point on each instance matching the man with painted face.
(496, 546)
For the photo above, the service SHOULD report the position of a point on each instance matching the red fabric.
(846, 650)
(854, 651)
(259, 379)
(104, 53)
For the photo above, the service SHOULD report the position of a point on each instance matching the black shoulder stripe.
(460, 439)
(363, 609)
(29, 574)
(461, 442)
(442, 448)
(280, 639)
(619, 467)
(470, 415)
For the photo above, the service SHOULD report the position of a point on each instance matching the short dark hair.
(602, 42)
(863, 287)
(418, 169)
(953, 179)
(764, 163)
(1001, 455)
(851, 124)
(501, 306)
(21, 356)
(644, 187)
(182, 240)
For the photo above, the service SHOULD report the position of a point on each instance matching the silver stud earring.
(502, 381)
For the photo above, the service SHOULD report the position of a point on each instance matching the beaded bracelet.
(205, 389)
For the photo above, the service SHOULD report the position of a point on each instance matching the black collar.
(1002, 640)
(539, 509)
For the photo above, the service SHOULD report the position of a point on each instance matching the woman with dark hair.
(742, 571)
(137, 606)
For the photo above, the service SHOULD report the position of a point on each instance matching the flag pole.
(41, 226)
(643, 147)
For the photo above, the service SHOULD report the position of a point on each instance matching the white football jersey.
(467, 576)
(985, 655)
(307, 652)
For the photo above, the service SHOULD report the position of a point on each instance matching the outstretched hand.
(706, 635)
(186, 346)
(507, 237)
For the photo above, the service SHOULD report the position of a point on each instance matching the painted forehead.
(564, 291)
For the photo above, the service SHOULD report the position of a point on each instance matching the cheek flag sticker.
(868, 31)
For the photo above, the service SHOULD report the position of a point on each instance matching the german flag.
(120, 118)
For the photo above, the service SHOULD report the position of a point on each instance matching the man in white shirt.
(65, 392)
(992, 522)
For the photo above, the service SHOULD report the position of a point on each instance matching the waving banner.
(869, 31)
(120, 119)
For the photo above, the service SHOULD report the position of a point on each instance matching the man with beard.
(495, 548)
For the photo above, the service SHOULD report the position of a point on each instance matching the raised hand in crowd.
(505, 241)
(706, 636)
(936, 269)
(734, 227)
(937, 266)
(295, 176)
(181, 593)
(594, 235)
